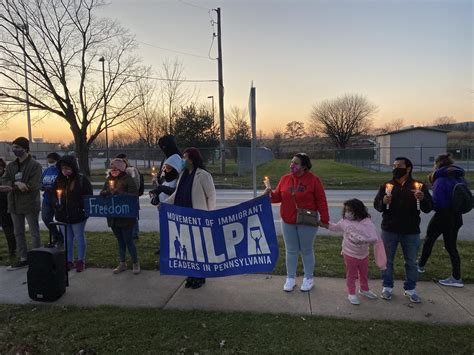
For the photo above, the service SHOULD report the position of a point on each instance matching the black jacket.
(124, 185)
(402, 216)
(71, 207)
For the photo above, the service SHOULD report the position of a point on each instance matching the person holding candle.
(120, 183)
(47, 206)
(445, 221)
(195, 189)
(22, 180)
(70, 188)
(398, 201)
(299, 189)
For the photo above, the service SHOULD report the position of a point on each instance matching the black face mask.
(399, 172)
(173, 174)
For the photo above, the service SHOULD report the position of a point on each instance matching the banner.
(118, 206)
(230, 241)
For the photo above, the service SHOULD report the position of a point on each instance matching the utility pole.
(221, 90)
(107, 160)
(24, 30)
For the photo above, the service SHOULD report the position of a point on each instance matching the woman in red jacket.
(299, 189)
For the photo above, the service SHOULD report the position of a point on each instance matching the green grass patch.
(28, 329)
(102, 252)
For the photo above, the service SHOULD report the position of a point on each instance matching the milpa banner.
(230, 241)
(117, 206)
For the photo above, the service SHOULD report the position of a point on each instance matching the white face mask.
(349, 216)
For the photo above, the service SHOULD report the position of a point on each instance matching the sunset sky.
(413, 59)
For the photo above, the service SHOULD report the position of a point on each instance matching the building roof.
(403, 130)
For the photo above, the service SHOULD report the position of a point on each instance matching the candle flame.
(389, 187)
(418, 185)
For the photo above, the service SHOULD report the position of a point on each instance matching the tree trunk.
(82, 152)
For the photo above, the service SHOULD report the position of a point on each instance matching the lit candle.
(111, 184)
(153, 171)
(266, 181)
(59, 192)
(418, 186)
(388, 192)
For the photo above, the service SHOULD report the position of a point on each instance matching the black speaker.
(46, 274)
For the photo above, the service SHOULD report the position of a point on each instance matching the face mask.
(170, 176)
(294, 168)
(399, 172)
(115, 173)
(51, 164)
(349, 216)
(18, 152)
(184, 164)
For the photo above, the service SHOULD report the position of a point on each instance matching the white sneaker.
(289, 284)
(353, 299)
(369, 294)
(307, 284)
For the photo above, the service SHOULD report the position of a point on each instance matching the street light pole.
(107, 160)
(213, 116)
(24, 28)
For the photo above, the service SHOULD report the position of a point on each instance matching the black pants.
(447, 223)
(7, 226)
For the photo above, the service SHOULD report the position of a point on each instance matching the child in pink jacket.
(358, 231)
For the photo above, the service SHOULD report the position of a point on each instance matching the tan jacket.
(203, 191)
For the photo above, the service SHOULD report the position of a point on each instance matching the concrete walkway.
(249, 293)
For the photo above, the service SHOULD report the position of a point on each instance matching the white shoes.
(307, 285)
(353, 299)
(369, 294)
(289, 284)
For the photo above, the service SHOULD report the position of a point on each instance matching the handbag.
(305, 216)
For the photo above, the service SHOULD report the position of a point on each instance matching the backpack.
(462, 198)
(141, 189)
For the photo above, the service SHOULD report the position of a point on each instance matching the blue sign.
(231, 241)
(117, 206)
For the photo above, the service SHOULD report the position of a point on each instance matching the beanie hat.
(118, 164)
(175, 162)
(22, 142)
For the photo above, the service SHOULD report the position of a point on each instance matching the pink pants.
(356, 268)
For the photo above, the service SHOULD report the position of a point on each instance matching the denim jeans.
(299, 239)
(410, 244)
(19, 229)
(135, 230)
(75, 233)
(125, 240)
(47, 215)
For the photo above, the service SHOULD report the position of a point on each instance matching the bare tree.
(394, 125)
(294, 130)
(174, 94)
(276, 142)
(342, 118)
(60, 42)
(444, 122)
(239, 133)
(149, 124)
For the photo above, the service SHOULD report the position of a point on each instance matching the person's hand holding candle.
(419, 195)
(59, 193)
(387, 199)
(268, 186)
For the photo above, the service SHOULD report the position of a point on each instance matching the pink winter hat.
(118, 164)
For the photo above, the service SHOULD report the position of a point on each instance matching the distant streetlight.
(107, 160)
(213, 117)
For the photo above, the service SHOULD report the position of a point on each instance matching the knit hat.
(118, 164)
(175, 162)
(22, 142)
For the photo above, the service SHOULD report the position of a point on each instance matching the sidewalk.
(249, 293)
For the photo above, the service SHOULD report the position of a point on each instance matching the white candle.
(418, 186)
(266, 181)
(388, 192)
(59, 193)
(111, 184)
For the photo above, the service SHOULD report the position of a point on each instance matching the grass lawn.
(73, 330)
(102, 252)
(334, 175)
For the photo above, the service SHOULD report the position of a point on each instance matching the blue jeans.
(410, 244)
(75, 233)
(47, 215)
(135, 230)
(299, 239)
(125, 240)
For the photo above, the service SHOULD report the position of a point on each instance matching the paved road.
(225, 198)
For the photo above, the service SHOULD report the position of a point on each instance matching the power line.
(173, 50)
(193, 5)
(132, 75)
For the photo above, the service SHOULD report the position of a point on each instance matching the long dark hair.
(195, 156)
(358, 209)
